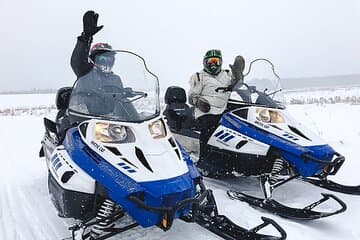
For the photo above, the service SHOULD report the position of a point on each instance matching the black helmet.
(212, 61)
(103, 57)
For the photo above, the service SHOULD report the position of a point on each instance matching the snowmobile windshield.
(261, 86)
(129, 93)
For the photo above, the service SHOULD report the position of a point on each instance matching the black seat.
(177, 112)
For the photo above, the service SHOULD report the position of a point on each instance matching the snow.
(26, 211)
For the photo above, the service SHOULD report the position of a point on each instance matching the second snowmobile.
(110, 155)
(257, 136)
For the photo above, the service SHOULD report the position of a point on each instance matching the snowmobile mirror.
(63, 97)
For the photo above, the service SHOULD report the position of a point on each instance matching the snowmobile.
(111, 157)
(256, 136)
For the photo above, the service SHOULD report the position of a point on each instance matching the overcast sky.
(303, 38)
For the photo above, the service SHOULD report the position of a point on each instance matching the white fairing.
(290, 130)
(60, 163)
(162, 155)
(251, 147)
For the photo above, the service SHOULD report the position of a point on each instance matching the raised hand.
(90, 19)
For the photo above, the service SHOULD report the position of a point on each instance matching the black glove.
(203, 105)
(237, 68)
(90, 19)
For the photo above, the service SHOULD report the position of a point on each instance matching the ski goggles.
(106, 59)
(213, 61)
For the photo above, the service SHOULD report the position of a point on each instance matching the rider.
(209, 101)
(96, 63)
(92, 68)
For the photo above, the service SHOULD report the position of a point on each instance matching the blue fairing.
(290, 151)
(156, 193)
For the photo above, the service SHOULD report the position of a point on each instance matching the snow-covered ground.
(26, 211)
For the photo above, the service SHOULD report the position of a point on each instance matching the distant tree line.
(18, 111)
(326, 100)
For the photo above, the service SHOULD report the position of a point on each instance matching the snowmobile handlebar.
(230, 88)
(332, 167)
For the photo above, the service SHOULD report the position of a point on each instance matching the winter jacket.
(90, 76)
(204, 86)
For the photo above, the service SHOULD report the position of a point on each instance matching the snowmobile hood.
(164, 192)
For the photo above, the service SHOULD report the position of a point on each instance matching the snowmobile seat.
(177, 112)
(62, 119)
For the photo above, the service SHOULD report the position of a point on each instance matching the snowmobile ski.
(306, 213)
(206, 215)
(225, 228)
(333, 186)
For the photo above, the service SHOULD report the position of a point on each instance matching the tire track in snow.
(8, 219)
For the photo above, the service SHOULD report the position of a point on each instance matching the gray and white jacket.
(204, 86)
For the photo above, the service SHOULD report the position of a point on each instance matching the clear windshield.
(262, 85)
(129, 92)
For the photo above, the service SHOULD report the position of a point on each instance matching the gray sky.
(303, 38)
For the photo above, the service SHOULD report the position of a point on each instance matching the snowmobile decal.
(126, 167)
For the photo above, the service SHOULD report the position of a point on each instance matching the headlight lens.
(110, 133)
(157, 129)
(269, 116)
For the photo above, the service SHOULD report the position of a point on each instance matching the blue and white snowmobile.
(257, 136)
(110, 154)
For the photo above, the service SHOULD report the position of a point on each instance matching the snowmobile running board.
(333, 186)
(277, 208)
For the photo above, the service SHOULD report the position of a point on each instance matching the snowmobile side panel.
(70, 203)
(231, 140)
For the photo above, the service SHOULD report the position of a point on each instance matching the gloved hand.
(128, 92)
(90, 19)
(203, 105)
(237, 68)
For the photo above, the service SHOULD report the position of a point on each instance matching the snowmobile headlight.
(157, 129)
(269, 116)
(110, 133)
